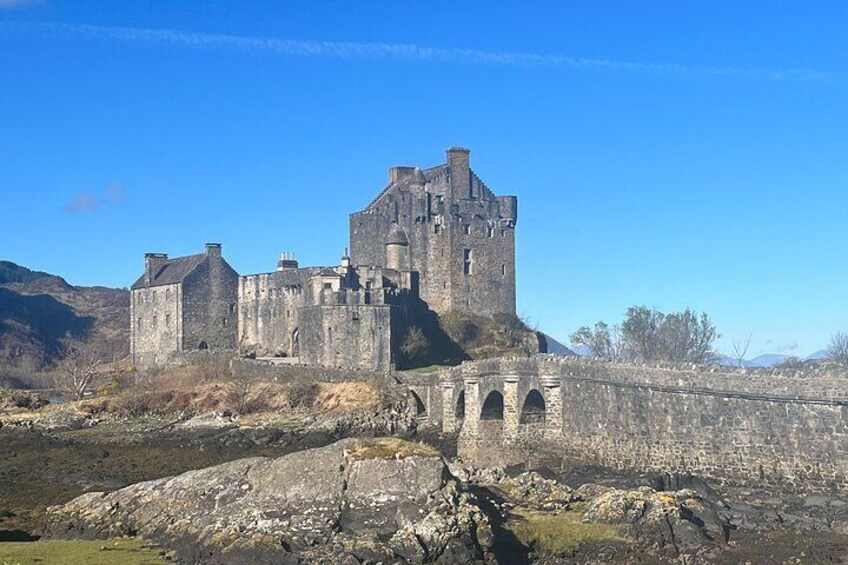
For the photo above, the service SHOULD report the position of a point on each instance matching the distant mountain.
(819, 355)
(768, 360)
(555, 347)
(582, 350)
(726, 361)
(37, 310)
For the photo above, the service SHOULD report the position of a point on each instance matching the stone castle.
(435, 239)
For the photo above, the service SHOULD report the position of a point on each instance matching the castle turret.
(509, 209)
(397, 249)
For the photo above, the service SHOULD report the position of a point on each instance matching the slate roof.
(173, 271)
(327, 272)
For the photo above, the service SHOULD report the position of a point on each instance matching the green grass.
(559, 533)
(428, 369)
(389, 448)
(126, 551)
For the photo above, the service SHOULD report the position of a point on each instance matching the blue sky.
(673, 154)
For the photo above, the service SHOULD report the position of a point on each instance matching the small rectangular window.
(503, 270)
(437, 229)
(328, 286)
(167, 320)
(491, 231)
(467, 261)
(467, 228)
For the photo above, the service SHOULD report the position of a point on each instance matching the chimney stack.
(459, 161)
(287, 262)
(213, 249)
(152, 263)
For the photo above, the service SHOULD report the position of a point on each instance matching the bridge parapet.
(785, 429)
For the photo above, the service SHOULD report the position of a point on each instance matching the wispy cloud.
(396, 51)
(8, 4)
(88, 202)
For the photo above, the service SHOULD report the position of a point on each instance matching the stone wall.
(257, 369)
(155, 324)
(763, 428)
(362, 337)
(210, 306)
(268, 314)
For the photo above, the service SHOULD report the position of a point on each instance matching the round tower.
(397, 249)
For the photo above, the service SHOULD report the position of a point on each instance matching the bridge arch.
(533, 408)
(418, 404)
(459, 409)
(493, 406)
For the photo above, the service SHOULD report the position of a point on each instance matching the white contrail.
(348, 50)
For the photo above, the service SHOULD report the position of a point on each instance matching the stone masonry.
(786, 431)
(449, 228)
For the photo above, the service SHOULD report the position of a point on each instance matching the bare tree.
(78, 370)
(602, 340)
(838, 348)
(740, 348)
(650, 335)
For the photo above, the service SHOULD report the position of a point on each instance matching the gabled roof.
(425, 175)
(172, 271)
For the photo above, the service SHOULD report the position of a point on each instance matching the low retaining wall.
(252, 368)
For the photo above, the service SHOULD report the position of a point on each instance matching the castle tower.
(446, 224)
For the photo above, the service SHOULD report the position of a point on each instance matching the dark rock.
(318, 505)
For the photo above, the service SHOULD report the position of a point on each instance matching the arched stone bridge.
(756, 427)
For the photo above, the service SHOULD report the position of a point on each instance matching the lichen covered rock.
(675, 522)
(314, 506)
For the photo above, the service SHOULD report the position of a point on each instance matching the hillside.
(37, 310)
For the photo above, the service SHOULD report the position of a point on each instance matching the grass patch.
(428, 369)
(389, 448)
(559, 533)
(127, 551)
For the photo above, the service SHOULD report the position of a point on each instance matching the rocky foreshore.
(384, 501)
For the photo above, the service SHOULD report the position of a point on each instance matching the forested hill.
(38, 310)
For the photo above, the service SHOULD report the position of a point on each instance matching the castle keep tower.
(455, 232)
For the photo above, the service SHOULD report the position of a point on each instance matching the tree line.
(646, 334)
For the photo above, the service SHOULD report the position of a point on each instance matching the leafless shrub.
(838, 348)
(77, 372)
